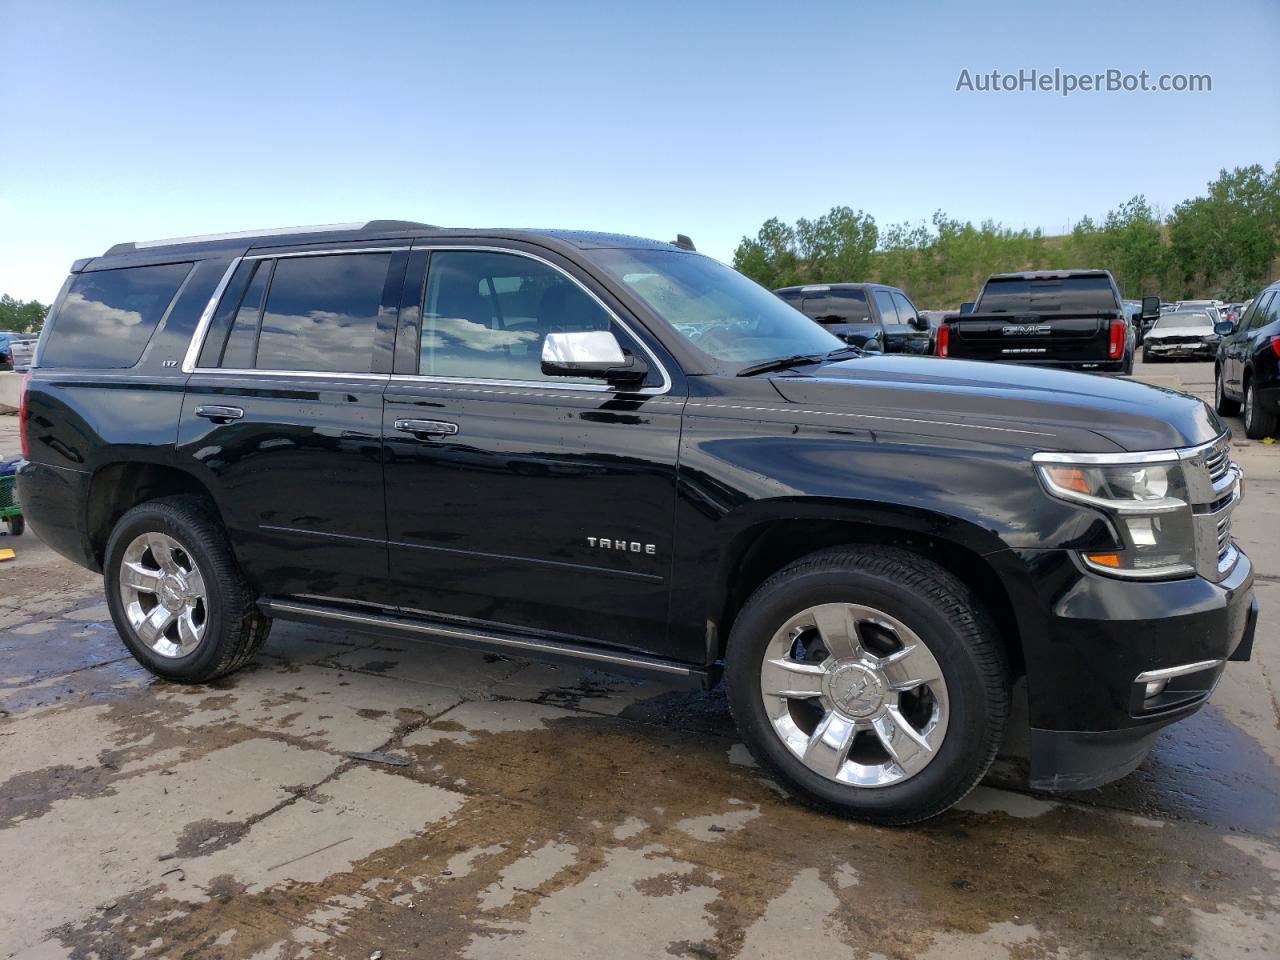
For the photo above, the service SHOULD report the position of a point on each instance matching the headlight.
(1145, 501)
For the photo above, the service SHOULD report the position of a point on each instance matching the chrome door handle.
(219, 414)
(428, 428)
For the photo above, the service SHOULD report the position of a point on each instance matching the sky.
(134, 121)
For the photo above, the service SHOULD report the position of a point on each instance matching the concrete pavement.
(536, 811)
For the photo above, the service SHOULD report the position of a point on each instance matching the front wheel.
(870, 681)
(17, 524)
(176, 595)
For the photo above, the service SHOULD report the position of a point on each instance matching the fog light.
(1154, 688)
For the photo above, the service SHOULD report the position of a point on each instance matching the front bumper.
(1205, 351)
(1091, 721)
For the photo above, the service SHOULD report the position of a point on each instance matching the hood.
(1160, 333)
(1064, 411)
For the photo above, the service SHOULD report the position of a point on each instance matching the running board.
(483, 640)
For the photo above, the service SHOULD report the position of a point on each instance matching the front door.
(514, 499)
(282, 418)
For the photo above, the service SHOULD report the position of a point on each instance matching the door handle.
(219, 414)
(427, 428)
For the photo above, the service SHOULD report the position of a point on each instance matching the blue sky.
(126, 121)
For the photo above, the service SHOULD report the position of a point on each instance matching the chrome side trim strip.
(287, 609)
(1168, 673)
(206, 317)
(305, 374)
(323, 253)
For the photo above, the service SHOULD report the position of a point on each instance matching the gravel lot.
(549, 812)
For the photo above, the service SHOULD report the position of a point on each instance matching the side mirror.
(590, 353)
(1150, 308)
(919, 323)
(1224, 327)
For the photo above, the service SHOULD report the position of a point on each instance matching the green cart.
(10, 513)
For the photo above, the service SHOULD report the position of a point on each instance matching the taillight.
(943, 343)
(1115, 349)
(1275, 346)
(22, 415)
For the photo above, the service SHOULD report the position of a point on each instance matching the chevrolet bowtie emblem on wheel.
(626, 546)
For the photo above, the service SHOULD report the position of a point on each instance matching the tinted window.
(1048, 295)
(486, 315)
(109, 315)
(888, 312)
(838, 306)
(243, 342)
(1264, 310)
(322, 313)
(906, 312)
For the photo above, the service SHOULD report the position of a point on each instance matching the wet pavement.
(516, 809)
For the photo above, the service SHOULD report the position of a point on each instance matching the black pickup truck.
(1070, 319)
(621, 453)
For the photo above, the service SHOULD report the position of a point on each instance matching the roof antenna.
(684, 243)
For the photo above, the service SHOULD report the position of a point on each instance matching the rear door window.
(108, 316)
(322, 313)
(888, 312)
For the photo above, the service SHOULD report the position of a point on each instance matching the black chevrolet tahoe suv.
(1069, 319)
(621, 453)
(872, 316)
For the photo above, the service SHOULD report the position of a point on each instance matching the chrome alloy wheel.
(163, 595)
(855, 694)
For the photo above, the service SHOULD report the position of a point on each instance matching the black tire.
(1128, 366)
(1223, 404)
(1149, 357)
(17, 525)
(234, 631)
(942, 612)
(1258, 423)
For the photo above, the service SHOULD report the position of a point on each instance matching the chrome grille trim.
(1214, 487)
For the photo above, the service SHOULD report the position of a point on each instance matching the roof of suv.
(821, 287)
(1048, 274)
(373, 229)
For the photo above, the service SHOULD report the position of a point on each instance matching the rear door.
(895, 339)
(282, 417)
(516, 499)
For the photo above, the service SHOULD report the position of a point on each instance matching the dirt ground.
(528, 811)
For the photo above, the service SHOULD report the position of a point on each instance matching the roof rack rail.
(370, 226)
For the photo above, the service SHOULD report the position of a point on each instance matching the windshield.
(1172, 321)
(718, 310)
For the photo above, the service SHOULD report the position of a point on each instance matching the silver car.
(1182, 334)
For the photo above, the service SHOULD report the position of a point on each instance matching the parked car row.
(16, 350)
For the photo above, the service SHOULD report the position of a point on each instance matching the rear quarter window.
(108, 316)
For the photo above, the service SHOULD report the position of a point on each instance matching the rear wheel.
(1258, 423)
(175, 593)
(1223, 404)
(870, 681)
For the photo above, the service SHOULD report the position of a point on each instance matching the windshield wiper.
(782, 363)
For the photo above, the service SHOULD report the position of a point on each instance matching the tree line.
(21, 316)
(1221, 244)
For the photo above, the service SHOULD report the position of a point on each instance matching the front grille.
(1217, 462)
(1214, 487)
(1224, 537)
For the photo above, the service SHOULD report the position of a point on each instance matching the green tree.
(21, 316)
(1231, 235)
